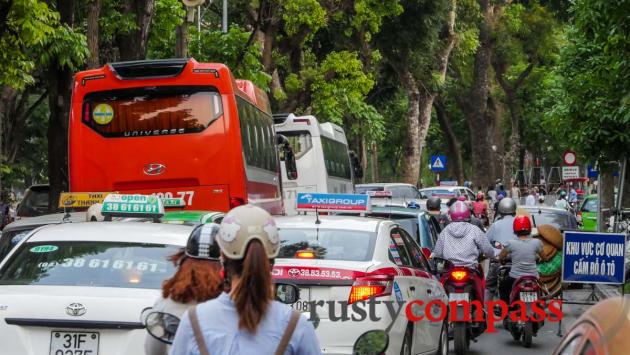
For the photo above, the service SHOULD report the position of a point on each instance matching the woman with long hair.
(197, 279)
(246, 320)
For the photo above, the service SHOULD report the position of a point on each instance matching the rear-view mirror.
(162, 326)
(287, 293)
(427, 252)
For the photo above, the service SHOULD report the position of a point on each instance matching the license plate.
(454, 297)
(302, 304)
(73, 343)
(529, 296)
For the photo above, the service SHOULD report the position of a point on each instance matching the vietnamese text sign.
(332, 202)
(570, 172)
(81, 199)
(593, 258)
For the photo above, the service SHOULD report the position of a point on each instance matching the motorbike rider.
(434, 209)
(500, 232)
(480, 208)
(461, 242)
(523, 252)
(561, 202)
(197, 279)
(246, 320)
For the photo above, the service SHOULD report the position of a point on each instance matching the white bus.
(324, 163)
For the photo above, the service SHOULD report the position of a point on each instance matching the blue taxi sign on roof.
(332, 202)
(119, 205)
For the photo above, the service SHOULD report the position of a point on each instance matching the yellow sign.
(103, 114)
(81, 199)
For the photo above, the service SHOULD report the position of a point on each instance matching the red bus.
(174, 128)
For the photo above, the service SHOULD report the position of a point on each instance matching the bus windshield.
(151, 111)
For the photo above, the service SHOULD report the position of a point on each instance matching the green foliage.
(168, 15)
(214, 46)
(593, 97)
(29, 24)
(301, 14)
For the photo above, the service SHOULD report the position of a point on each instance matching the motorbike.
(163, 326)
(464, 287)
(528, 290)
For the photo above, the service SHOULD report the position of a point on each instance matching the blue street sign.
(438, 162)
(592, 173)
(593, 258)
(332, 202)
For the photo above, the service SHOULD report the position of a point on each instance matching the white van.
(324, 163)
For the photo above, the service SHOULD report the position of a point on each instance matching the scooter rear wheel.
(528, 333)
(460, 338)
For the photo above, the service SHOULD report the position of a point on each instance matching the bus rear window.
(152, 111)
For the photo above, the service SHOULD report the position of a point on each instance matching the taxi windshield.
(438, 193)
(328, 244)
(94, 264)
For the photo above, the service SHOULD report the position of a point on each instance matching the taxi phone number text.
(104, 263)
(187, 196)
(320, 273)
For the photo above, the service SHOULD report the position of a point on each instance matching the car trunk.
(38, 320)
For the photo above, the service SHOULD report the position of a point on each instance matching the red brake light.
(370, 286)
(236, 201)
(459, 275)
(305, 254)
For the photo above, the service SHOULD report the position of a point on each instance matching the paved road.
(501, 342)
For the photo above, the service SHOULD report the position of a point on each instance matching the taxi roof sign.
(332, 202)
(119, 205)
(81, 199)
(379, 193)
(173, 202)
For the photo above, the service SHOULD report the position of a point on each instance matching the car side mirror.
(162, 326)
(373, 342)
(357, 169)
(287, 293)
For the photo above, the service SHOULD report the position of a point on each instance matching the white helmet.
(94, 213)
(242, 225)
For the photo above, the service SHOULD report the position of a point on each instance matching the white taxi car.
(79, 288)
(339, 262)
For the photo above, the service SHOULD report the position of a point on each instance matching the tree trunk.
(6, 93)
(625, 202)
(478, 120)
(181, 36)
(451, 139)
(133, 45)
(375, 176)
(607, 189)
(60, 83)
(411, 146)
(94, 9)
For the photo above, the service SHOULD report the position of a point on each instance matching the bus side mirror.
(289, 163)
(357, 169)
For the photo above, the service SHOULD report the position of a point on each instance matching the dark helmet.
(434, 203)
(202, 243)
(507, 206)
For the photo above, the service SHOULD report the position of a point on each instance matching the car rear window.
(558, 220)
(35, 203)
(95, 264)
(328, 244)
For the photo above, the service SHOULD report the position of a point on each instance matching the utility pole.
(225, 16)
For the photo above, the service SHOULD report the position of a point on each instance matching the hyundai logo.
(76, 309)
(154, 169)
